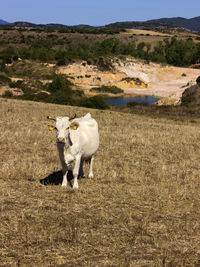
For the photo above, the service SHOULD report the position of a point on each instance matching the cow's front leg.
(64, 172)
(60, 147)
(64, 182)
(76, 171)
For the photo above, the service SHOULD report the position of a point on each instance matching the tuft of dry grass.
(141, 208)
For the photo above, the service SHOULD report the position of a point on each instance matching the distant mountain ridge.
(192, 24)
(3, 22)
(24, 24)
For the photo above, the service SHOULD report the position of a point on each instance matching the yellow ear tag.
(51, 128)
(75, 127)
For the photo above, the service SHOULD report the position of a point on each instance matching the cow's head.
(63, 125)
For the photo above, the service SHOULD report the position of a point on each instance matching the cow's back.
(87, 136)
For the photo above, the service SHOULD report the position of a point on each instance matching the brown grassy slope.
(141, 208)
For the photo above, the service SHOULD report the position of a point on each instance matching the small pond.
(122, 101)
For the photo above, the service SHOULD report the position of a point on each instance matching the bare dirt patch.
(145, 32)
(14, 91)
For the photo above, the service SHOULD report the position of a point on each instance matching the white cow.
(77, 140)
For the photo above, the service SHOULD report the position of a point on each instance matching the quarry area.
(134, 77)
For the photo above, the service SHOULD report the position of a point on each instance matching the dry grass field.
(141, 208)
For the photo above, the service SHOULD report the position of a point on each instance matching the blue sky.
(93, 12)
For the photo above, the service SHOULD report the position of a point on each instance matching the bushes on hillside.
(172, 51)
(4, 79)
(59, 91)
(97, 102)
(134, 103)
(9, 54)
(17, 84)
(60, 83)
(107, 89)
(7, 94)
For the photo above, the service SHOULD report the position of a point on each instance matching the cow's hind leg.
(81, 173)
(90, 174)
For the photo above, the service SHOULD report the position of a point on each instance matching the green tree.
(60, 83)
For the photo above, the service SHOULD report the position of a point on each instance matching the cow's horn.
(50, 118)
(72, 117)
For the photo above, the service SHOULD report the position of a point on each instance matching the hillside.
(141, 208)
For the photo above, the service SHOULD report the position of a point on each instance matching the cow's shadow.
(56, 178)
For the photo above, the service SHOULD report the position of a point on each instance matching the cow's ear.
(74, 125)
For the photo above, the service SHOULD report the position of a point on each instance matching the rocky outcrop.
(191, 96)
(171, 100)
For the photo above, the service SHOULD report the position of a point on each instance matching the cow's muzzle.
(60, 140)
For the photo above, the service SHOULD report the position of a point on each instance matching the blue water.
(122, 101)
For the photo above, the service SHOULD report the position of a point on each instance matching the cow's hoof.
(64, 185)
(75, 187)
(90, 176)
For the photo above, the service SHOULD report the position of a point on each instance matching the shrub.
(97, 102)
(60, 97)
(198, 80)
(61, 62)
(41, 97)
(60, 56)
(134, 103)
(107, 89)
(7, 94)
(2, 66)
(15, 58)
(4, 79)
(60, 84)
(17, 84)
